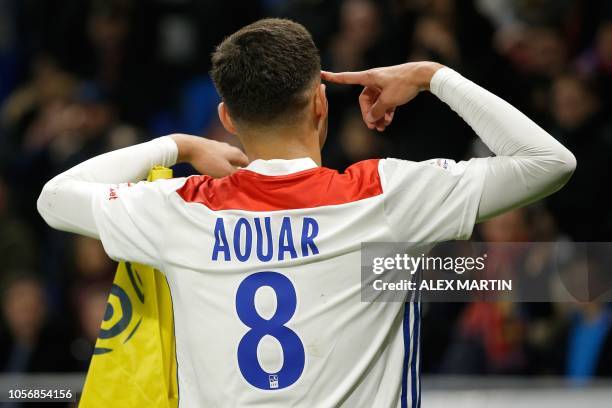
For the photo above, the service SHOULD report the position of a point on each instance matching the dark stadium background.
(82, 77)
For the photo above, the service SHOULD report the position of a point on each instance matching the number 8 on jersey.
(291, 344)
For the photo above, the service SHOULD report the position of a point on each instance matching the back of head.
(264, 72)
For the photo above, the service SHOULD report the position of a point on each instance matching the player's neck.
(286, 143)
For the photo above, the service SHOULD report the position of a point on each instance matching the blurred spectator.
(582, 346)
(107, 29)
(91, 264)
(360, 28)
(589, 348)
(510, 337)
(489, 337)
(583, 127)
(355, 141)
(32, 341)
(545, 52)
(434, 40)
(598, 59)
(70, 131)
(17, 247)
(48, 88)
(596, 62)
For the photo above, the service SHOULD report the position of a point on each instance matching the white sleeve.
(432, 201)
(81, 200)
(530, 164)
(131, 219)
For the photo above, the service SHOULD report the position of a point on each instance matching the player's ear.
(226, 119)
(321, 112)
(321, 108)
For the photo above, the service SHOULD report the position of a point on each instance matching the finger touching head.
(348, 78)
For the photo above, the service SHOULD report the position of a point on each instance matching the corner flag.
(134, 360)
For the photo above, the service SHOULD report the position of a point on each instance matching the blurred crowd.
(82, 77)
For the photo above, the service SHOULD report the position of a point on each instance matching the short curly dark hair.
(263, 71)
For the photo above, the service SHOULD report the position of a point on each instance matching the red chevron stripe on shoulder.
(318, 187)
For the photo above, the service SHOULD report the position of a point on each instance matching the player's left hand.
(386, 88)
(216, 159)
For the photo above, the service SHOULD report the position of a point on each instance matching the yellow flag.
(134, 360)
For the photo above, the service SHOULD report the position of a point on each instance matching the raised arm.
(530, 164)
(65, 202)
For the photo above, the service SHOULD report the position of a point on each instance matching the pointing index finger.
(347, 78)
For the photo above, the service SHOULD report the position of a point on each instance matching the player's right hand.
(386, 88)
(216, 159)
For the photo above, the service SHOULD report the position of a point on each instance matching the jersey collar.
(281, 167)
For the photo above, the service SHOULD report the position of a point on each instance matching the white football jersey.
(264, 272)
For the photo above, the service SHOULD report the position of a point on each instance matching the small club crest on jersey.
(273, 380)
